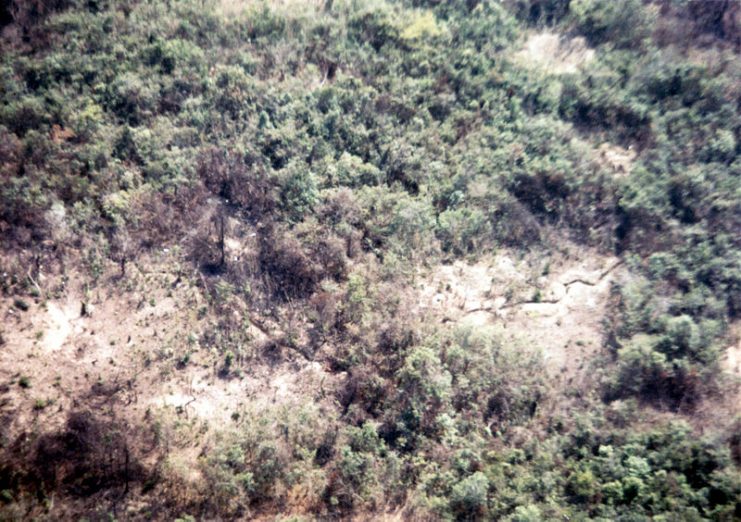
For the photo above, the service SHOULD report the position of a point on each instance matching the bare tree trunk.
(126, 468)
(221, 239)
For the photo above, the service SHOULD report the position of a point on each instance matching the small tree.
(468, 497)
(299, 193)
(122, 248)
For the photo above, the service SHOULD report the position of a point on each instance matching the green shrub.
(298, 190)
(24, 114)
(468, 498)
(461, 230)
(625, 25)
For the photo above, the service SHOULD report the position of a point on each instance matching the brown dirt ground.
(126, 354)
(552, 305)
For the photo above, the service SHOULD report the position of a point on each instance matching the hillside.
(370, 260)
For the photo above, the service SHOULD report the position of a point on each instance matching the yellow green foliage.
(423, 24)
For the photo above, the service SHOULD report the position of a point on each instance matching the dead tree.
(221, 224)
(122, 248)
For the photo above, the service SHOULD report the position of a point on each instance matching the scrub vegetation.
(264, 196)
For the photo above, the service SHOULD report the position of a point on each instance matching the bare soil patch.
(730, 363)
(136, 350)
(554, 53)
(618, 159)
(554, 305)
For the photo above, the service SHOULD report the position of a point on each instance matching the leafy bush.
(601, 21)
(298, 191)
(468, 497)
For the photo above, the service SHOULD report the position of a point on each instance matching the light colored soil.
(554, 54)
(730, 363)
(620, 160)
(124, 355)
(60, 325)
(731, 359)
(556, 311)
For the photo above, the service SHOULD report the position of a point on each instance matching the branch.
(602, 275)
(492, 309)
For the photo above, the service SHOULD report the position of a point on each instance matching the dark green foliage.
(623, 24)
(663, 472)
(541, 12)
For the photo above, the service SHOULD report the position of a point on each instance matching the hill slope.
(354, 260)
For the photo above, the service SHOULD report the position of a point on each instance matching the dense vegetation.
(407, 131)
